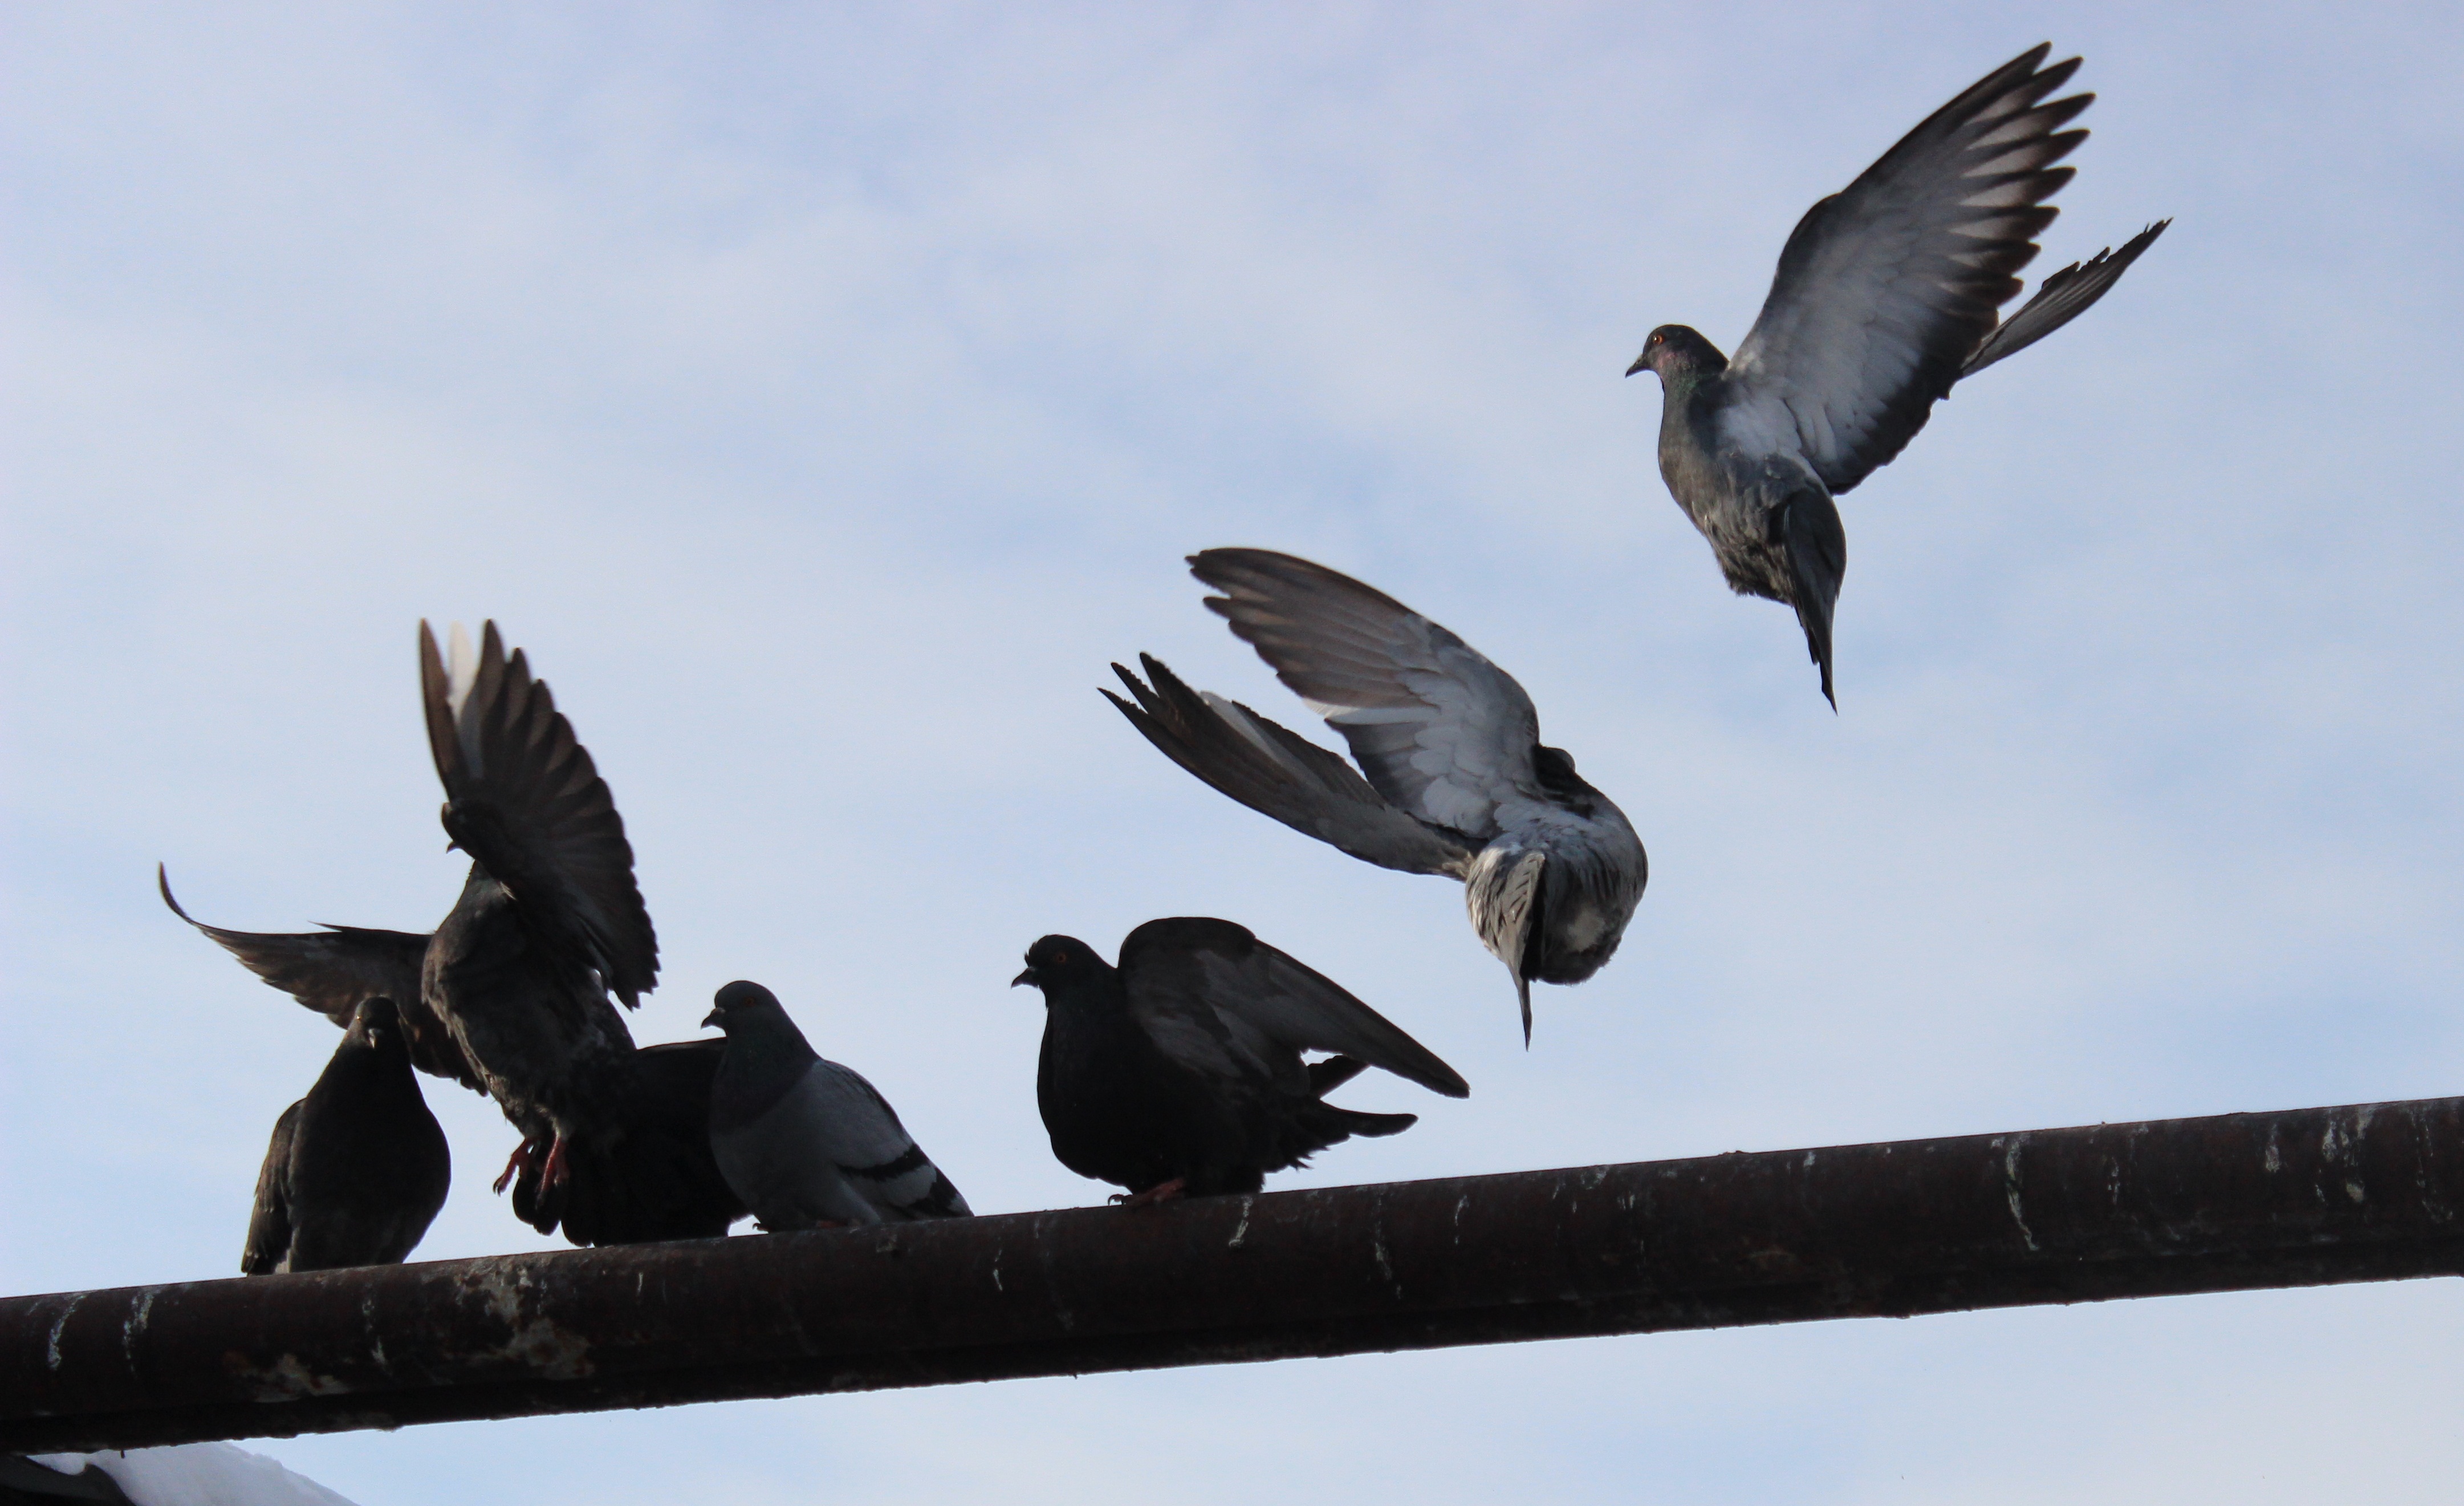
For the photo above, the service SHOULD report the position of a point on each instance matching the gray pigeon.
(358, 1168)
(806, 1142)
(1458, 782)
(1887, 295)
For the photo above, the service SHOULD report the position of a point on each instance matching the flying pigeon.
(1887, 295)
(1458, 781)
(358, 1167)
(512, 987)
(806, 1142)
(1180, 1072)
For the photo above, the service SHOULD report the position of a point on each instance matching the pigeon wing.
(1438, 730)
(2060, 298)
(1888, 288)
(269, 1221)
(335, 971)
(865, 1139)
(1265, 1003)
(1276, 772)
(524, 799)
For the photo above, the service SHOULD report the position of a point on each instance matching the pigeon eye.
(1656, 339)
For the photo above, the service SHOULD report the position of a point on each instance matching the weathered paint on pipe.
(2298, 1198)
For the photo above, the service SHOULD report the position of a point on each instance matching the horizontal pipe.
(2300, 1198)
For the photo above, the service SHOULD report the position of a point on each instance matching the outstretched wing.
(524, 800)
(1440, 732)
(1888, 288)
(1268, 1002)
(2060, 298)
(1277, 772)
(333, 970)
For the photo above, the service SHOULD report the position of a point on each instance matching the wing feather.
(1170, 965)
(1440, 732)
(1278, 773)
(1888, 292)
(524, 799)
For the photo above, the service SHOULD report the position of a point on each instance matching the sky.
(824, 396)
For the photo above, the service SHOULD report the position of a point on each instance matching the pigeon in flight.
(806, 1142)
(1887, 295)
(1458, 781)
(358, 1168)
(512, 987)
(1180, 1072)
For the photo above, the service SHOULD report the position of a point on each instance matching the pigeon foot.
(1160, 1192)
(554, 1174)
(516, 1164)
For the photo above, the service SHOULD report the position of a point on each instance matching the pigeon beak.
(1640, 363)
(1026, 977)
(709, 1019)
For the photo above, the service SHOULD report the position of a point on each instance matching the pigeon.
(1887, 295)
(358, 1168)
(806, 1142)
(1180, 1072)
(514, 986)
(1458, 781)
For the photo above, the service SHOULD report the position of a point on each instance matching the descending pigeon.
(358, 1167)
(1887, 295)
(1458, 782)
(806, 1142)
(1181, 1072)
(514, 986)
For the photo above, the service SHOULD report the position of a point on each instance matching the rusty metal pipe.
(2300, 1198)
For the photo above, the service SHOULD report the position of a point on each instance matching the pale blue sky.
(824, 397)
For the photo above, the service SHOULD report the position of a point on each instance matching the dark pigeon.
(514, 986)
(358, 1168)
(806, 1142)
(1180, 1072)
(1458, 782)
(1886, 296)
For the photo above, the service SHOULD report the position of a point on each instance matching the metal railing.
(2299, 1198)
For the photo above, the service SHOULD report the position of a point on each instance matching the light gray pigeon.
(1887, 295)
(1458, 782)
(806, 1142)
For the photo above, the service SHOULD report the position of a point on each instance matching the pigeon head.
(376, 1023)
(1677, 350)
(739, 1002)
(1059, 960)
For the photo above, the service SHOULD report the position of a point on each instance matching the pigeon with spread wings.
(1888, 293)
(1453, 777)
(1180, 1072)
(513, 988)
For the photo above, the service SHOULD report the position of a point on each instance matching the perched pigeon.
(1458, 782)
(512, 987)
(358, 1167)
(1885, 296)
(1181, 1072)
(806, 1142)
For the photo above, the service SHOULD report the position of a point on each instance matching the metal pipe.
(2300, 1198)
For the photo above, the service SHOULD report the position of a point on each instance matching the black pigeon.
(1887, 295)
(358, 1168)
(514, 986)
(1458, 782)
(1181, 1072)
(806, 1142)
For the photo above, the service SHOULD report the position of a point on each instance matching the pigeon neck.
(763, 1059)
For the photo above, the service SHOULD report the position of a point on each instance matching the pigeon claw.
(516, 1165)
(1160, 1192)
